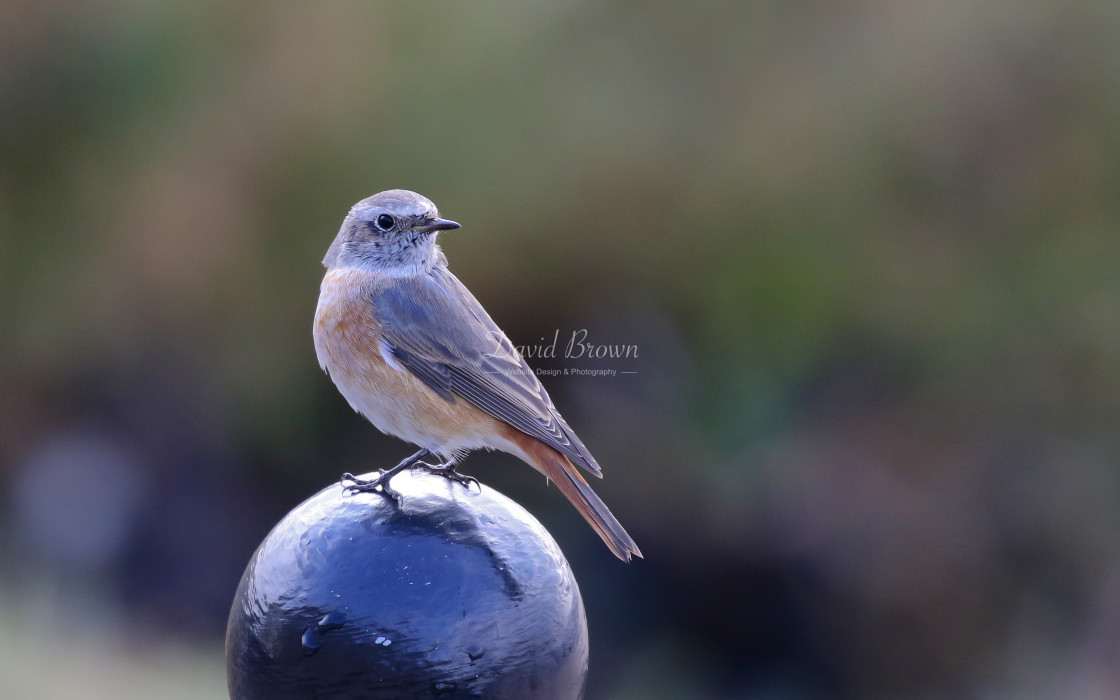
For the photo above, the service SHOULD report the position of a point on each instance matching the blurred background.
(867, 252)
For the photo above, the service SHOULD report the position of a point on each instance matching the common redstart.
(413, 351)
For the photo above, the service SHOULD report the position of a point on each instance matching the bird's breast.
(349, 345)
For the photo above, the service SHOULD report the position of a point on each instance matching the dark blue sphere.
(455, 593)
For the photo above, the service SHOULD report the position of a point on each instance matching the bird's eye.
(385, 222)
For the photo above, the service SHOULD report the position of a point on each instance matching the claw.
(447, 471)
(379, 485)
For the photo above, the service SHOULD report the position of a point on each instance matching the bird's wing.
(437, 330)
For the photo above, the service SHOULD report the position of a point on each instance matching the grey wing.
(437, 330)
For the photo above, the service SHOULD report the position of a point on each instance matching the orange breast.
(348, 344)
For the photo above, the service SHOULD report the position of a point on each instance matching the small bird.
(413, 351)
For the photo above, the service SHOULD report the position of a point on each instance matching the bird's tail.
(563, 473)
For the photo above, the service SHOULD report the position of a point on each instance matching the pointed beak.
(437, 225)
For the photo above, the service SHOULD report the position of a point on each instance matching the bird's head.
(392, 232)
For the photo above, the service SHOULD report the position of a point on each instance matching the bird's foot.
(447, 471)
(379, 485)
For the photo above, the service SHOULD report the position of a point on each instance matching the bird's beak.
(437, 225)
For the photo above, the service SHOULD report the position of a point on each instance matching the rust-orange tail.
(564, 474)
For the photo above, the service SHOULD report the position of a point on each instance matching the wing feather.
(437, 330)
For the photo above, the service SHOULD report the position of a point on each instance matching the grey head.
(393, 232)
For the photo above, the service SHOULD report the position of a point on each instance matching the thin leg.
(381, 483)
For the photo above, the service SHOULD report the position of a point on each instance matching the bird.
(413, 351)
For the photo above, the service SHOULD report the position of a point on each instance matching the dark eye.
(385, 222)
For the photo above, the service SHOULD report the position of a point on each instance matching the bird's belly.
(348, 345)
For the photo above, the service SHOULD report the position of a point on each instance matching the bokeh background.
(868, 252)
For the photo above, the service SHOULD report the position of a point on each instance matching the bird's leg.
(447, 471)
(381, 483)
